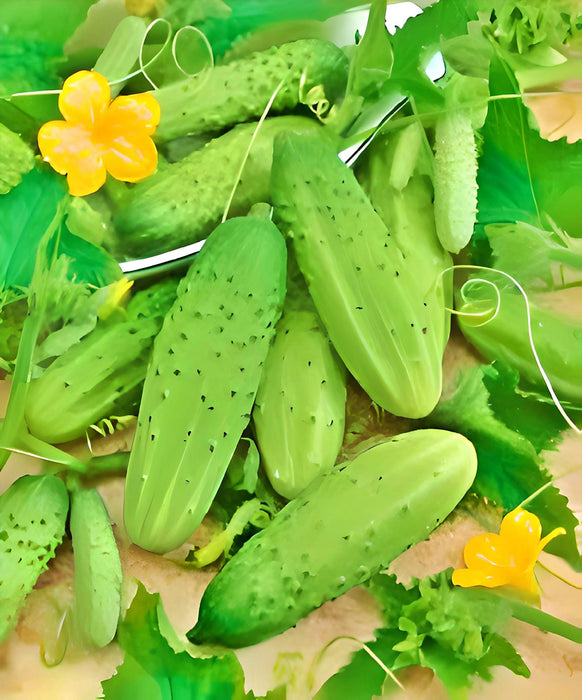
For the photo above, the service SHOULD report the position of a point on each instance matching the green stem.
(545, 621)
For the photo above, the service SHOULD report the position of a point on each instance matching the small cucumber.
(299, 413)
(33, 513)
(345, 527)
(97, 570)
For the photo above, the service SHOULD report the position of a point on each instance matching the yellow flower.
(506, 559)
(99, 136)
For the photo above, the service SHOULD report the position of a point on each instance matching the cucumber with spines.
(102, 374)
(33, 514)
(299, 414)
(240, 90)
(184, 202)
(382, 317)
(345, 527)
(202, 380)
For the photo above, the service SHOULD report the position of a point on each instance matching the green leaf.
(25, 214)
(151, 666)
(52, 21)
(522, 176)
(509, 468)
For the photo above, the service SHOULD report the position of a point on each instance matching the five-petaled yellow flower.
(99, 136)
(506, 559)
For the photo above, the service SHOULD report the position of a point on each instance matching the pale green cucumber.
(299, 414)
(202, 380)
(345, 527)
(386, 320)
(97, 570)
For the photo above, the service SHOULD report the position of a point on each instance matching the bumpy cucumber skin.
(394, 175)
(557, 338)
(98, 573)
(202, 381)
(33, 513)
(299, 414)
(455, 180)
(16, 159)
(185, 201)
(240, 90)
(345, 527)
(371, 301)
(100, 375)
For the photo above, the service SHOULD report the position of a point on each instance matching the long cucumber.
(344, 528)
(239, 91)
(202, 380)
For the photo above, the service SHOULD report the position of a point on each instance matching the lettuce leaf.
(432, 623)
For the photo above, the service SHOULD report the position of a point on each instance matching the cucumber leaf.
(509, 467)
(151, 669)
(25, 213)
(521, 175)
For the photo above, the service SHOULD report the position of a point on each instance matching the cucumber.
(97, 570)
(299, 414)
(33, 513)
(557, 338)
(345, 527)
(387, 322)
(240, 90)
(102, 374)
(183, 203)
(202, 380)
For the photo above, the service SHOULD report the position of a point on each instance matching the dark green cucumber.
(345, 527)
(202, 380)
(183, 203)
(240, 90)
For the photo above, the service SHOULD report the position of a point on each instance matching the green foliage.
(431, 623)
(152, 670)
(509, 468)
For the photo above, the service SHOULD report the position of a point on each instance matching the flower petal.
(86, 176)
(522, 530)
(474, 577)
(131, 112)
(84, 98)
(131, 158)
(488, 553)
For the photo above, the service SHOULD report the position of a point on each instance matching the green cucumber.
(33, 513)
(185, 201)
(202, 381)
(386, 319)
(97, 570)
(102, 374)
(240, 90)
(299, 414)
(345, 527)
